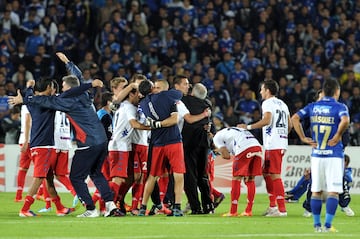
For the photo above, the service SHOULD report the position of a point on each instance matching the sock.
(40, 192)
(279, 193)
(163, 184)
(28, 201)
(56, 200)
(96, 196)
(235, 195)
(20, 182)
(216, 193)
(137, 191)
(123, 189)
(316, 204)
(67, 183)
(102, 205)
(269, 189)
(331, 206)
(47, 197)
(251, 189)
(115, 188)
(177, 206)
(300, 188)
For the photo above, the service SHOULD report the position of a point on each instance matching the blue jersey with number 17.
(325, 116)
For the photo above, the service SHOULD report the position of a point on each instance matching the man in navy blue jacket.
(89, 135)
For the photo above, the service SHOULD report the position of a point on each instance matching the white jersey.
(182, 111)
(62, 133)
(121, 138)
(24, 112)
(140, 136)
(235, 140)
(275, 135)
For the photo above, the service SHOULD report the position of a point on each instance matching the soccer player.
(275, 125)
(25, 155)
(62, 140)
(247, 153)
(139, 154)
(105, 116)
(41, 147)
(181, 83)
(166, 143)
(124, 123)
(90, 137)
(328, 121)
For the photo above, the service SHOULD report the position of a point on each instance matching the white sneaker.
(90, 213)
(110, 208)
(270, 210)
(307, 213)
(348, 211)
(276, 213)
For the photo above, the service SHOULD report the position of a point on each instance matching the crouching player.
(247, 153)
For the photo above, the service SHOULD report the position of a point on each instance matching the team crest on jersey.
(321, 109)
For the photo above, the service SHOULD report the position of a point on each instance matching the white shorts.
(327, 174)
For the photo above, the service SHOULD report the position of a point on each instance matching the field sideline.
(208, 226)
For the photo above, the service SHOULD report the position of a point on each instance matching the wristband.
(248, 127)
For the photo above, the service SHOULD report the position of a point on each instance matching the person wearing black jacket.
(196, 148)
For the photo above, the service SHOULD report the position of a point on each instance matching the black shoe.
(197, 212)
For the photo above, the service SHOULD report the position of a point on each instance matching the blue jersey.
(325, 116)
(42, 129)
(159, 107)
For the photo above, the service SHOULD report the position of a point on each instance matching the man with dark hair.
(89, 135)
(275, 125)
(166, 142)
(42, 147)
(329, 119)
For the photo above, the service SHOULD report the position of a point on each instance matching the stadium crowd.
(229, 46)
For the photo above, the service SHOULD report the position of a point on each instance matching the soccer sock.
(137, 191)
(279, 193)
(300, 188)
(40, 192)
(177, 206)
(216, 193)
(56, 200)
(123, 189)
(96, 196)
(67, 183)
(235, 194)
(251, 188)
(28, 201)
(102, 205)
(269, 189)
(331, 206)
(20, 182)
(163, 184)
(316, 204)
(47, 197)
(115, 188)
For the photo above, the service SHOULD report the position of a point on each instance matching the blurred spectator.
(33, 41)
(4, 109)
(219, 96)
(48, 30)
(21, 70)
(355, 101)
(245, 107)
(11, 126)
(7, 43)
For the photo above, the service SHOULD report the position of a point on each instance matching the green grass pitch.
(48, 225)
